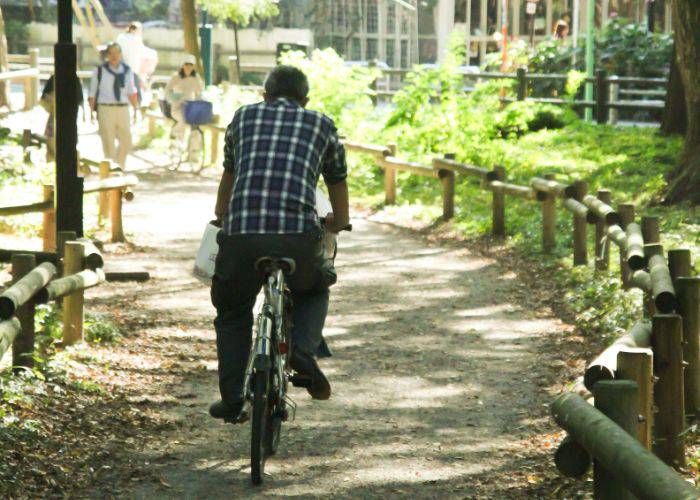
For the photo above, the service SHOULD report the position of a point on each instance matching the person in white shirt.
(185, 85)
(112, 89)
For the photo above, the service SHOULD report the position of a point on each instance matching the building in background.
(405, 32)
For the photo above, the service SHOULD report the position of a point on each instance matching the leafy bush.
(100, 330)
(628, 49)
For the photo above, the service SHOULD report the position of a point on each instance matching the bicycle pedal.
(299, 381)
(242, 417)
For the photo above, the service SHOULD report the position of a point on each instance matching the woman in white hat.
(185, 85)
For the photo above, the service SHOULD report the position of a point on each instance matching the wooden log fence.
(111, 191)
(38, 284)
(639, 357)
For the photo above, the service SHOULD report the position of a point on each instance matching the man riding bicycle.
(275, 151)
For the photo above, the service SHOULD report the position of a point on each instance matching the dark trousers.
(236, 284)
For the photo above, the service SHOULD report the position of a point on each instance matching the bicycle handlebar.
(347, 227)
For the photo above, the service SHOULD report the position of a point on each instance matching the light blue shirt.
(106, 94)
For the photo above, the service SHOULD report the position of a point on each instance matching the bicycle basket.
(165, 108)
(198, 112)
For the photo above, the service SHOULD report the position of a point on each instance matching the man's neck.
(114, 66)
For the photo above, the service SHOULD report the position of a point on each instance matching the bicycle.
(192, 151)
(268, 372)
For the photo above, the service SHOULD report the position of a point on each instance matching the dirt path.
(434, 373)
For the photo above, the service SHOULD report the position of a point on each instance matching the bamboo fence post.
(152, 125)
(447, 179)
(49, 223)
(619, 401)
(23, 345)
(688, 293)
(679, 263)
(669, 422)
(390, 179)
(580, 228)
(637, 365)
(499, 205)
(115, 213)
(103, 196)
(62, 237)
(572, 459)
(73, 303)
(549, 219)
(626, 211)
(602, 246)
(34, 84)
(214, 155)
(650, 229)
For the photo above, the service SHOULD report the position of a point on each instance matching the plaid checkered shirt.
(277, 152)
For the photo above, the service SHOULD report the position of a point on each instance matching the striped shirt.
(277, 152)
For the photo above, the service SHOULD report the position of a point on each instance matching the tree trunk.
(189, 26)
(685, 179)
(4, 65)
(675, 120)
(238, 51)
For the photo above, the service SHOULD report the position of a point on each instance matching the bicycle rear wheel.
(195, 149)
(260, 425)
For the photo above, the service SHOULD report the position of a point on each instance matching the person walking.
(112, 89)
(185, 85)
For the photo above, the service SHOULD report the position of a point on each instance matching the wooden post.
(636, 364)
(49, 225)
(602, 246)
(613, 97)
(549, 219)
(23, 345)
(34, 85)
(27, 87)
(390, 179)
(447, 178)
(626, 211)
(619, 401)
(499, 205)
(669, 424)
(214, 155)
(601, 98)
(521, 75)
(688, 293)
(62, 237)
(103, 196)
(679, 263)
(115, 214)
(73, 303)
(650, 229)
(580, 228)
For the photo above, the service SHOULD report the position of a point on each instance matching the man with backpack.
(112, 90)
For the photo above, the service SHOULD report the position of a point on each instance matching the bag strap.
(99, 80)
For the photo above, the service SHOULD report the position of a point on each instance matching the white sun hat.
(189, 59)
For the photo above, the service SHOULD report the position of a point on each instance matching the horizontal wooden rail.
(367, 148)
(6, 255)
(408, 166)
(603, 367)
(512, 190)
(553, 187)
(9, 330)
(577, 208)
(24, 289)
(29, 208)
(110, 183)
(464, 168)
(69, 284)
(602, 211)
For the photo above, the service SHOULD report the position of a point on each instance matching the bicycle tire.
(195, 149)
(259, 426)
(274, 423)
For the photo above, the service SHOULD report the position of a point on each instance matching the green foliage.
(338, 90)
(17, 35)
(629, 49)
(148, 10)
(241, 12)
(99, 330)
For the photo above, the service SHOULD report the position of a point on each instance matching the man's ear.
(265, 97)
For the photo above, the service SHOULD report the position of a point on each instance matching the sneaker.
(230, 413)
(306, 364)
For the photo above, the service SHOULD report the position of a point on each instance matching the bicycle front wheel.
(260, 426)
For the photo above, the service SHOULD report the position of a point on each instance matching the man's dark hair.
(287, 81)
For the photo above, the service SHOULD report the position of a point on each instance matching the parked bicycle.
(268, 372)
(192, 151)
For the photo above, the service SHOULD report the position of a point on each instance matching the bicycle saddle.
(269, 265)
